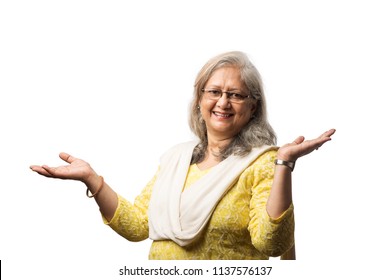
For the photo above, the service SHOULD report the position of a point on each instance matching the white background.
(110, 82)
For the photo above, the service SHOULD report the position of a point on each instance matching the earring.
(198, 107)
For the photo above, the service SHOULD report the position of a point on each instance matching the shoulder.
(264, 164)
(269, 155)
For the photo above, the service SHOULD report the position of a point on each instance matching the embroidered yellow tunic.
(240, 227)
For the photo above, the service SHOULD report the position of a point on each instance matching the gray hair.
(256, 132)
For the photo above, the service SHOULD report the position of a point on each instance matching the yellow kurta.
(239, 228)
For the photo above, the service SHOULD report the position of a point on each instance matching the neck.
(215, 145)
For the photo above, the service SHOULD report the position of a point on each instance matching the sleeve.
(131, 220)
(271, 236)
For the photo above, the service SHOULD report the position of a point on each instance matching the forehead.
(229, 76)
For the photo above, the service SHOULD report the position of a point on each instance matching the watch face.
(289, 164)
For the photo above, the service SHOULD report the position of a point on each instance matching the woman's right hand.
(77, 169)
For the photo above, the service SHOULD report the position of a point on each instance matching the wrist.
(289, 164)
(284, 156)
(95, 192)
(92, 180)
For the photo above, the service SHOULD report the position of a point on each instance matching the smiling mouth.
(222, 115)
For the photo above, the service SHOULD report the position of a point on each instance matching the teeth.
(222, 115)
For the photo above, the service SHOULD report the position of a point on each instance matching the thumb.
(67, 157)
(299, 140)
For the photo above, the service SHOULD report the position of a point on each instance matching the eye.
(237, 96)
(214, 92)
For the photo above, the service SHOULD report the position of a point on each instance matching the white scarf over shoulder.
(181, 215)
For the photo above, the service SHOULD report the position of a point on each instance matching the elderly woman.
(227, 195)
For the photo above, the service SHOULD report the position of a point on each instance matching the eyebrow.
(218, 87)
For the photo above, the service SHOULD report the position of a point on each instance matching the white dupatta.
(181, 215)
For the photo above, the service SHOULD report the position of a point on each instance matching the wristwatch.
(290, 164)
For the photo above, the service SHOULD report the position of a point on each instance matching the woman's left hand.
(300, 147)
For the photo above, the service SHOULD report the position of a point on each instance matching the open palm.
(77, 169)
(299, 147)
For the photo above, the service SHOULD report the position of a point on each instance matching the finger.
(40, 170)
(328, 133)
(299, 140)
(322, 139)
(50, 170)
(67, 157)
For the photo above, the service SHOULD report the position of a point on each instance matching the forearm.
(130, 220)
(106, 198)
(280, 197)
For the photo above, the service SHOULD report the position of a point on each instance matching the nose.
(223, 102)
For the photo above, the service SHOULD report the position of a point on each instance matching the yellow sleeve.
(273, 237)
(131, 220)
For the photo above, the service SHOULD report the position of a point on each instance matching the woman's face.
(225, 119)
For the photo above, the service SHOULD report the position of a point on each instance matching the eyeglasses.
(234, 97)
